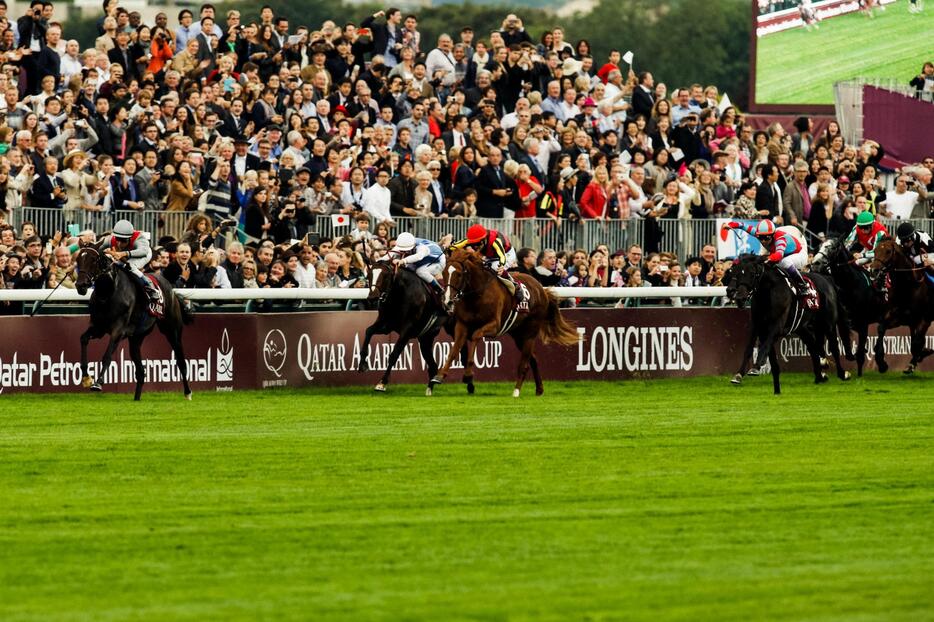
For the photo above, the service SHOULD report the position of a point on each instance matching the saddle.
(809, 296)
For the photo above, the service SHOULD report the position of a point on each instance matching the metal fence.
(682, 237)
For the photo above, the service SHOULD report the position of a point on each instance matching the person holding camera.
(285, 223)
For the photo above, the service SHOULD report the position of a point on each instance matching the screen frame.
(760, 107)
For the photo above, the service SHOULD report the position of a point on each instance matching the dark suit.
(233, 128)
(532, 163)
(488, 204)
(767, 199)
(448, 138)
(42, 194)
(206, 53)
(402, 195)
(124, 58)
(380, 33)
(642, 103)
(48, 63)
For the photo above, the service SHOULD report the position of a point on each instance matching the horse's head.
(831, 254)
(460, 264)
(742, 278)
(885, 255)
(380, 275)
(90, 263)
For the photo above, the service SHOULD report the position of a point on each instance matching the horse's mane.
(467, 256)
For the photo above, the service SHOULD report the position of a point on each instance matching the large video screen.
(804, 46)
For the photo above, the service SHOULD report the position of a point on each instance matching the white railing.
(298, 293)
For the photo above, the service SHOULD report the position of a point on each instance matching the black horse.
(406, 307)
(911, 298)
(864, 304)
(777, 312)
(119, 309)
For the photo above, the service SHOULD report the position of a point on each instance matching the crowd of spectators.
(253, 128)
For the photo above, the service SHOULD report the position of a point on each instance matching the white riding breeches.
(428, 273)
(798, 260)
(136, 264)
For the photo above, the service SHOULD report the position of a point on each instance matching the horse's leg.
(525, 350)
(918, 352)
(175, 339)
(460, 338)
(136, 354)
(373, 329)
(86, 337)
(747, 358)
(842, 374)
(881, 365)
(539, 387)
(776, 372)
(105, 362)
(475, 340)
(815, 349)
(426, 346)
(393, 357)
(862, 334)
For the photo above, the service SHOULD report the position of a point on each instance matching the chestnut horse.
(484, 307)
(911, 300)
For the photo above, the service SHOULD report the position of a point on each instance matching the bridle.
(102, 262)
(463, 290)
(757, 269)
(390, 268)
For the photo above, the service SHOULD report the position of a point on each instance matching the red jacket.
(593, 201)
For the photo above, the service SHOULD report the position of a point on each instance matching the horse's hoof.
(821, 379)
(752, 372)
(86, 382)
(380, 387)
(515, 392)
(471, 389)
(428, 392)
(436, 380)
(736, 379)
(882, 366)
(188, 396)
(846, 376)
(540, 391)
(96, 387)
(909, 370)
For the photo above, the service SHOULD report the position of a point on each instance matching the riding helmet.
(905, 231)
(864, 219)
(476, 233)
(765, 228)
(405, 242)
(123, 229)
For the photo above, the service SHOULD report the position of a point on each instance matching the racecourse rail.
(301, 293)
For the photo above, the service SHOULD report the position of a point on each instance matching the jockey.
(917, 245)
(499, 255)
(784, 249)
(423, 256)
(131, 249)
(862, 239)
(493, 245)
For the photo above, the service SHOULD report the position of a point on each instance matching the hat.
(589, 102)
(843, 179)
(74, 153)
(571, 66)
(340, 109)
(567, 173)
(240, 140)
(304, 169)
(694, 259)
(273, 128)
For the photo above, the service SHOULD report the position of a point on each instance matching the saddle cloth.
(521, 296)
(156, 308)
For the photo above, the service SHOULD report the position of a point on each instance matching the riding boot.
(152, 292)
(522, 303)
(801, 286)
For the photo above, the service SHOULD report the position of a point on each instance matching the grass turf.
(675, 500)
(800, 67)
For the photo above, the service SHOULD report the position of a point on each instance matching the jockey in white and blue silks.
(423, 256)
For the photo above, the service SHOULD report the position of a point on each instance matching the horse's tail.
(187, 316)
(556, 329)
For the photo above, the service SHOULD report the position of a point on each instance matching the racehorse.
(484, 307)
(405, 307)
(863, 303)
(777, 312)
(119, 309)
(912, 299)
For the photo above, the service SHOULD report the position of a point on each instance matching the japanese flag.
(340, 220)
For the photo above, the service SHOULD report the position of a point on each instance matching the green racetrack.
(663, 500)
(800, 67)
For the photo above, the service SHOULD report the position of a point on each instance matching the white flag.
(340, 220)
(627, 58)
(724, 103)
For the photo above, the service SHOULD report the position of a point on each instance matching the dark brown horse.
(911, 301)
(484, 307)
